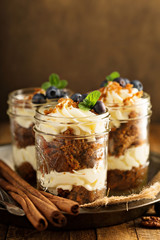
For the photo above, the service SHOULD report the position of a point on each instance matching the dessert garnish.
(77, 97)
(121, 91)
(110, 77)
(137, 84)
(115, 77)
(54, 80)
(89, 101)
(50, 90)
(39, 98)
(37, 205)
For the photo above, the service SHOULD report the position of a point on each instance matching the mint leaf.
(54, 79)
(46, 85)
(82, 106)
(112, 76)
(89, 102)
(92, 98)
(105, 84)
(62, 84)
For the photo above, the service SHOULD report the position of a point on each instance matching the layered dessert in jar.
(128, 149)
(22, 105)
(71, 147)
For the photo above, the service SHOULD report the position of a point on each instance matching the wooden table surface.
(130, 230)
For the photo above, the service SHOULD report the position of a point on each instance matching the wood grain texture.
(146, 233)
(25, 234)
(123, 231)
(83, 235)
(3, 231)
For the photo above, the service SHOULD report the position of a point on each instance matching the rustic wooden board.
(146, 233)
(83, 235)
(24, 233)
(123, 231)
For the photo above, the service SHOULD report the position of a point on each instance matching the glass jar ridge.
(72, 155)
(21, 112)
(128, 149)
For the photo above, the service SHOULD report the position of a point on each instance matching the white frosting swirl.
(133, 157)
(122, 101)
(90, 178)
(82, 122)
(113, 97)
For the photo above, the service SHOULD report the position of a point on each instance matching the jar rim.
(39, 114)
(12, 96)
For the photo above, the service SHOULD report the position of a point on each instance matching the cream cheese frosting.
(25, 117)
(122, 101)
(21, 106)
(133, 157)
(66, 115)
(90, 178)
(113, 93)
(22, 155)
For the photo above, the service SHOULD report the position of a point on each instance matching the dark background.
(82, 41)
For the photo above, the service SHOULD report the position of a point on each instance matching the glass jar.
(71, 162)
(128, 149)
(21, 112)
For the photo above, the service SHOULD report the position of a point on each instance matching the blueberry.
(52, 92)
(137, 84)
(76, 97)
(63, 93)
(39, 98)
(99, 107)
(83, 96)
(127, 80)
(121, 81)
(104, 83)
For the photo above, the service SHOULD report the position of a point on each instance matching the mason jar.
(72, 154)
(21, 112)
(128, 149)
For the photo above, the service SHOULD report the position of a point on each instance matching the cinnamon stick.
(63, 204)
(51, 212)
(45, 206)
(33, 215)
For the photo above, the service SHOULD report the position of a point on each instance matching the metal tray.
(95, 217)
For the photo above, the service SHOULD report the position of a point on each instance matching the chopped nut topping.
(61, 102)
(128, 100)
(114, 86)
(36, 90)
